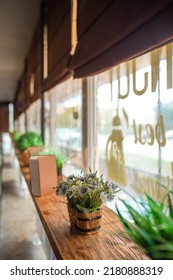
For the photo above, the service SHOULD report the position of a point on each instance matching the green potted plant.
(151, 225)
(28, 139)
(85, 195)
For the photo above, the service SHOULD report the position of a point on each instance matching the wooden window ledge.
(110, 243)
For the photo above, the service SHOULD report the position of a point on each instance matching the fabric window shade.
(59, 41)
(25, 86)
(21, 101)
(16, 103)
(20, 98)
(123, 30)
(4, 117)
(88, 13)
(33, 66)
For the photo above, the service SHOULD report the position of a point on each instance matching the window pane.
(166, 110)
(135, 137)
(47, 111)
(33, 117)
(69, 121)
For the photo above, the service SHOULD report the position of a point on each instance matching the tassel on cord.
(74, 40)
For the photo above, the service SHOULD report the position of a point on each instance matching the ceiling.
(18, 19)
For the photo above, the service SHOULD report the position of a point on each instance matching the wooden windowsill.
(111, 243)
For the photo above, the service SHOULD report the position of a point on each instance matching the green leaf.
(170, 206)
(29, 139)
(151, 226)
(84, 209)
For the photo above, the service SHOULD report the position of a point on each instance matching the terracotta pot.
(25, 157)
(89, 223)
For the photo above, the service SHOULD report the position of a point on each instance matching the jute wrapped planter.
(89, 223)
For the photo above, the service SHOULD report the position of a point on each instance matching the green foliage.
(16, 135)
(152, 225)
(87, 193)
(60, 158)
(29, 139)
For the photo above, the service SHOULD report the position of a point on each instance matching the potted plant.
(151, 225)
(85, 195)
(28, 139)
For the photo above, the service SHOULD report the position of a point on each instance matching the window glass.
(33, 117)
(135, 123)
(166, 111)
(20, 123)
(68, 118)
(47, 112)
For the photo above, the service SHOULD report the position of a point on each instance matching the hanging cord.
(74, 39)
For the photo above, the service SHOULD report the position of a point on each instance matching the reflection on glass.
(135, 126)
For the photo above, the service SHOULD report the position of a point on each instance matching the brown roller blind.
(122, 30)
(21, 101)
(33, 66)
(4, 117)
(59, 41)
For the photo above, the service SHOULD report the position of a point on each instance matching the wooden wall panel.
(4, 118)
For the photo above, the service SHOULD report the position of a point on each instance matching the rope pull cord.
(74, 39)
